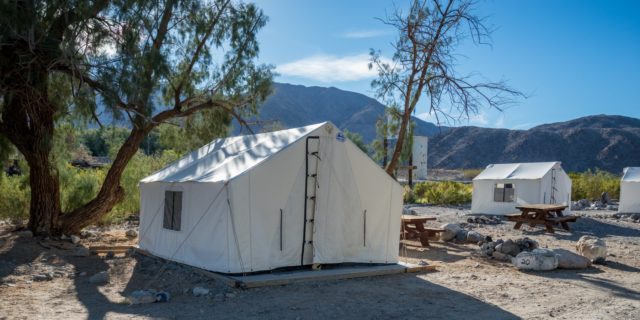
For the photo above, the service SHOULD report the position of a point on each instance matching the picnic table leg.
(424, 239)
(519, 223)
(564, 224)
(549, 227)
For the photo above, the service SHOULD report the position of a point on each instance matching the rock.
(75, 239)
(82, 274)
(461, 236)
(101, 277)
(487, 249)
(131, 233)
(450, 231)
(537, 260)
(509, 247)
(81, 252)
(571, 260)
(592, 248)
(199, 291)
(612, 207)
(163, 296)
(42, 277)
(109, 255)
(142, 296)
(474, 237)
(25, 233)
(526, 244)
(502, 257)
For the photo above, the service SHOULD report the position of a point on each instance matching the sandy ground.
(465, 285)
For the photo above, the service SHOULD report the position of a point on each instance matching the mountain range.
(601, 141)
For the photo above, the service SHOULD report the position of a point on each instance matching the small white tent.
(501, 187)
(630, 191)
(259, 202)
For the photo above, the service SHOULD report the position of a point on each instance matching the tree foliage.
(424, 65)
(143, 63)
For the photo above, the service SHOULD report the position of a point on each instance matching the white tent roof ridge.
(631, 174)
(230, 155)
(522, 171)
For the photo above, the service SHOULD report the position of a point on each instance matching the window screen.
(172, 210)
(504, 192)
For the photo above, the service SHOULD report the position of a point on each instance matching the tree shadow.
(588, 276)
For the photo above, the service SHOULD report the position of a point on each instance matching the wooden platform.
(338, 273)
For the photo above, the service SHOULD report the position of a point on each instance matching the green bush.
(15, 196)
(78, 186)
(590, 185)
(442, 192)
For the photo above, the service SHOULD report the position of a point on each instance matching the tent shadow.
(438, 251)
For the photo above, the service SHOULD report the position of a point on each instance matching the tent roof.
(227, 158)
(525, 171)
(631, 174)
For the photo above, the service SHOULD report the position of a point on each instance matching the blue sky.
(572, 58)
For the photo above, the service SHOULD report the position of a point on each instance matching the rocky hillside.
(602, 141)
(295, 105)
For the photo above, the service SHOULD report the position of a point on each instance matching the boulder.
(199, 291)
(101, 277)
(571, 260)
(509, 247)
(593, 248)
(502, 257)
(537, 260)
(461, 236)
(526, 244)
(75, 239)
(131, 233)
(474, 237)
(450, 231)
(142, 296)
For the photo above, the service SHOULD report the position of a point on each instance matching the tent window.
(172, 210)
(504, 192)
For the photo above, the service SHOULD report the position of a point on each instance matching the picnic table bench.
(413, 227)
(547, 214)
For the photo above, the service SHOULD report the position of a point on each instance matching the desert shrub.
(442, 192)
(14, 197)
(469, 174)
(591, 184)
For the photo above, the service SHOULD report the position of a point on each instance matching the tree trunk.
(397, 150)
(111, 192)
(45, 194)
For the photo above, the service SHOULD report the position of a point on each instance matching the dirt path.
(466, 285)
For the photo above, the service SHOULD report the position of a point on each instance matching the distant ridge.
(607, 142)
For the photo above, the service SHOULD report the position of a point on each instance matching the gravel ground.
(466, 285)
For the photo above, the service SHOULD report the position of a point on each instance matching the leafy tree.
(143, 62)
(357, 139)
(423, 66)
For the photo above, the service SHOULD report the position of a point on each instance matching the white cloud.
(363, 34)
(479, 119)
(329, 68)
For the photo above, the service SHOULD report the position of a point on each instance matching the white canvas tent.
(259, 202)
(630, 191)
(501, 187)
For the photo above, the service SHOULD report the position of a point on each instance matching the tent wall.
(629, 197)
(204, 221)
(526, 192)
(358, 209)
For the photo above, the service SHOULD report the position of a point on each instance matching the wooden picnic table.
(413, 227)
(547, 214)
